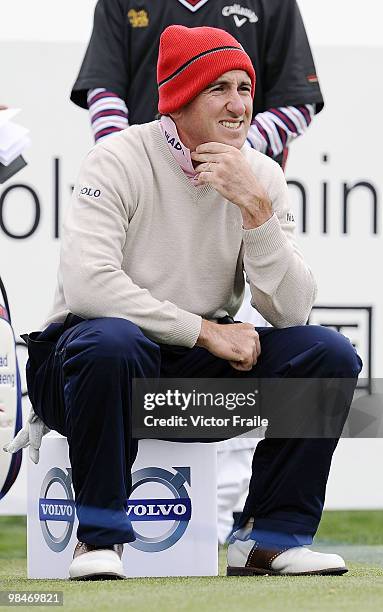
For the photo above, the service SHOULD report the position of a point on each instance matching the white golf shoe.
(246, 558)
(94, 563)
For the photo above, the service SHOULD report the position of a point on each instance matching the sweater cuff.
(185, 330)
(265, 239)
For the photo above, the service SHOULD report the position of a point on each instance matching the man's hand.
(227, 169)
(30, 435)
(239, 343)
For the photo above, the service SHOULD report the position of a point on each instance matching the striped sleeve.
(273, 130)
(108, 113)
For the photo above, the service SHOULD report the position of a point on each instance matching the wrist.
(205, 333)
(256, 213)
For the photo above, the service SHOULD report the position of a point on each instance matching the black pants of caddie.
(79, 377)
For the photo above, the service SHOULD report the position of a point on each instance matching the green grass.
(13, 535)
(357, 533)
(352, 527)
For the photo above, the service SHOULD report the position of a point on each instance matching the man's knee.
(339, 357)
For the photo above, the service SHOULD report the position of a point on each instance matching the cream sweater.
(141, 242)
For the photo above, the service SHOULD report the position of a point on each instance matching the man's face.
(221, 113)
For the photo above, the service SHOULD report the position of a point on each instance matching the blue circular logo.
(57, 509)
(176, 509)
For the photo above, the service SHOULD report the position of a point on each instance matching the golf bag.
(10, 396)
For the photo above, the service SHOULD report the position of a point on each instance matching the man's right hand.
(238, 343)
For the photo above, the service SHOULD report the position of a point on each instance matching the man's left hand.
(30, 435)
(228, 171)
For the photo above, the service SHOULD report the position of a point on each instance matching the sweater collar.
(180, 153)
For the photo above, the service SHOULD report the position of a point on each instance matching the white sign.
(173, 510)
(335, 185)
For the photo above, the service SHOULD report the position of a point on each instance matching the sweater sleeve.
(107, 112)
(274, 130)
(282, 286)
(94, 234)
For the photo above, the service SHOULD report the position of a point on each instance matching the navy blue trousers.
(79, 377)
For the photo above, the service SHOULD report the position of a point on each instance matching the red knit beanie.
(190, 59)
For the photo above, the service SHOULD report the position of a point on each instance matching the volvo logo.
(176, 509)
(57, 509)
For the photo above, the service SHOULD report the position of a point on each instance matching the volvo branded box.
(173, 509)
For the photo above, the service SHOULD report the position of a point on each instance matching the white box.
(184, 474)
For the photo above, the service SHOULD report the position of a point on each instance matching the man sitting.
(165, 218)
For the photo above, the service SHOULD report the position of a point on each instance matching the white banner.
(335, 181)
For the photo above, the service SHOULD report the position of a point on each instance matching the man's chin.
(236, 139)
